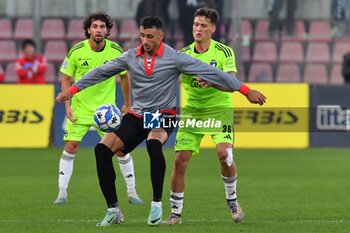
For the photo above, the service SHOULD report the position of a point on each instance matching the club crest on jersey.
(213, 63)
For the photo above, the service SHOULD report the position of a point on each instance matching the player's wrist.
(73, 89)
(244, 89)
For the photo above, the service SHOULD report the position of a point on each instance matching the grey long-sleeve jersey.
(156, 89)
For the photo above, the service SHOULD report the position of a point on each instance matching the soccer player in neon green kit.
(83, 57)
(210, 101)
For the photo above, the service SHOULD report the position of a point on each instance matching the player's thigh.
(187, 141)
(113, 142)
(74, 131)
(158, 134)
(131, 132)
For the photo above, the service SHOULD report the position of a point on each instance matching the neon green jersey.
(220, 56)
(80, 60)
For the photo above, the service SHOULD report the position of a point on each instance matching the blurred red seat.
(320, 31)
(178, 33)
(288, 73)
(128, 30)
(131, 44)
(260, 72)
(265, 52)
(246, 32)
(336, 77)
(6, 31)
(316, 74)
(51, 73)
(52, 29)
(179, 44)
(11, 74)
(241, 75)
(318, 52)
(245, 54)
(299, 33)
(340, 49)
(24, 29)
(8, 51)
(114, 32)
(261, 32)
(55, 51)
(291, 52)
(75, 30)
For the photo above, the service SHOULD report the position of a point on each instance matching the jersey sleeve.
(68, 66)
(103, 72)
(191, 66)
(229, 61)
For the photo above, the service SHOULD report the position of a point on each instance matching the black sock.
(106, 174)
(154, 148)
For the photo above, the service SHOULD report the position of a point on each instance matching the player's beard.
(98, 41)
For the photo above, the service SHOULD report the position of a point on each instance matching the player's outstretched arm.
(63, 96)
(95, 76)
(255, 97)
(125, 85)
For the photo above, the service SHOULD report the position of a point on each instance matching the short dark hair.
(151, 21)
(97, 16)
(209, 13)
(28, 42)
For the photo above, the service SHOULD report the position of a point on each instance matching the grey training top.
(154, 86)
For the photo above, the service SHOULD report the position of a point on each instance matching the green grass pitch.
(279, 191)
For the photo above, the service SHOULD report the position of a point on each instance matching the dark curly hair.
(208, 13)
(97, 16)
(151, 21)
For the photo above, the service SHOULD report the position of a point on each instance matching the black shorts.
(132, 133)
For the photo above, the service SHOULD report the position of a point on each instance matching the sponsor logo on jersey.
(230, 63)
(85, 63)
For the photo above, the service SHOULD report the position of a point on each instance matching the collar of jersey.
(159, 52)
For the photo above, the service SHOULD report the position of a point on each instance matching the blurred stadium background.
(292, 156)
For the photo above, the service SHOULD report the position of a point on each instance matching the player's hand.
(203, 83)
(255, 97)
(70, 115)
(63, 96)
(125, 109)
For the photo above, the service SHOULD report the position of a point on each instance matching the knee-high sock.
(126, 166)
(230, 187)
(65, 171)
(158, 166)
(106, 174)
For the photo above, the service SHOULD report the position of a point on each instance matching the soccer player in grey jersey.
(153, 88)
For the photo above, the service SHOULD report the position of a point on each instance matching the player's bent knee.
(101, 150)
(113, 142)
(71, 147)
(181, 161)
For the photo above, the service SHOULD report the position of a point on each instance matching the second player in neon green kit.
(203, 104)
(83, 57)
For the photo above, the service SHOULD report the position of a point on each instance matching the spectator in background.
(340, 17)
(31, 67)
(274, 9)
(346, 68)
(153, 7)
(187, 8)
(2, 74)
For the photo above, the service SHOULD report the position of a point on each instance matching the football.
(108, 118)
